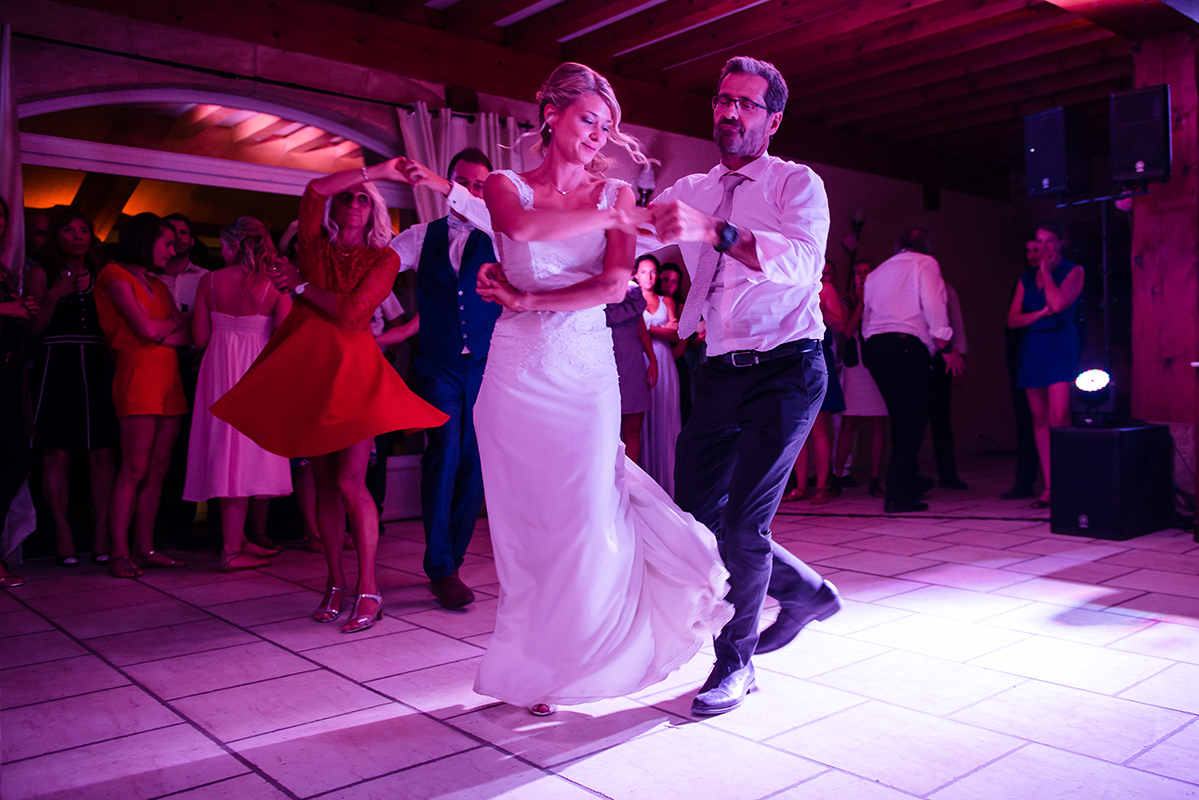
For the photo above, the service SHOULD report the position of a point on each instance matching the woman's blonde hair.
(250, 242)
(378, 227)
(568, 83)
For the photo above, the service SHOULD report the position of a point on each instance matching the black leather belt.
(748, 358)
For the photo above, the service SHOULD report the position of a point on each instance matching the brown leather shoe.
(451, 592)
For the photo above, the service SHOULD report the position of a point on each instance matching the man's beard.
(734, 139)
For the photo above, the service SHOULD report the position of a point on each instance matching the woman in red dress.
(143, 327)
(339, 390)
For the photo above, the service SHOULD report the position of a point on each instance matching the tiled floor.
(978, 656)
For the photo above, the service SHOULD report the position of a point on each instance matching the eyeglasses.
(723, 101)
(361, 198)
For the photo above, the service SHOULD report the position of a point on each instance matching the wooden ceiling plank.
(470, 17)
(910, 26)
(1051, 84)
(1132, 19)
(663, 20)
(911, 67)
(548, 26)
(972, 88)
(1012, 111)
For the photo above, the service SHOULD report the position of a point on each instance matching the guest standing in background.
(663, 421)
(1026, 440)
(864, 407)
(237, 309)
(141, 325)
(636, 366)
(72, 380)
(940, 422)
(670, 284)
(1044, 305)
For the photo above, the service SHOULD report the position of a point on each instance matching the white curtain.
(434, 139)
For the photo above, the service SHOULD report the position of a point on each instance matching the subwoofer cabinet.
(1111, 483)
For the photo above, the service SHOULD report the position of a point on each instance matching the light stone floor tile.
(145, 765)
(171, 678)
(815, 552)
(1072, 548)
(264, 610)
(681, 758)
(56, 583)
(1082, 666)
(478, 617)
(73, 721)
(946, 601)
(1164, 607)
(244, 711)
(1175, 757)
(857, 616)
(443, 691)
(872, 563)
(896, 545)
(474, 775)
(814, 653)
(897, 747)
(943, 638)
(1084, 625)
(243, 787)
(965, 576)
(994, 540)
(1094, 725)
(1048, 590)
(1179, 642)
(35, 648)
(21, 622)
(174, 640)
(837, 785)
(1155, 580)
(978, 556)
(1045, 772)
(37, 683)
(164, 610)
(335, 752)
(1176, 687)
(381, 656)
(923, 683)
(91, 600)
(305, 634)
(1157, 560)
(246, 590)
(868, 588)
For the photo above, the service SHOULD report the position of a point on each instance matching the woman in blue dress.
(1045, 305)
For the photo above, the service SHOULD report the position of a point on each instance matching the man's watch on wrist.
(728, 237)
(300, 287)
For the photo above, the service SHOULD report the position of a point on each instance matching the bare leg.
(822, 447)
(137, 442)
(364, 518)
(102, 465)
(630, 434)
(306, 498)
(844, 443)
(56, 465)
(878, 432)
(1038, 402)
(330, 517)
(150, 491)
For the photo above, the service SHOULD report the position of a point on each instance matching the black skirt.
(72, 396)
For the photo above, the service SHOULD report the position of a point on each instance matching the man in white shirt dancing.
(753, 232)
(904, 321)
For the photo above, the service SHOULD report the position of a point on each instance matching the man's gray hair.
(776, 91)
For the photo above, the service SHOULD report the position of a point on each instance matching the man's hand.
(678, 222)
(955, 365)
(418, 174)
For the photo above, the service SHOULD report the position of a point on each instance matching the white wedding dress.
(605, 585)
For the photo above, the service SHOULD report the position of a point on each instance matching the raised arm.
(1059, 298)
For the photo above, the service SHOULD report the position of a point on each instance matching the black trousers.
(746, 427)
(901, 366)
(940, 426)
(1027, 461)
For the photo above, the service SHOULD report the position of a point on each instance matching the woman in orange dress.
(321, 389)
(142, 327)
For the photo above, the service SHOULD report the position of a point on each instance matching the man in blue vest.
(455, 332)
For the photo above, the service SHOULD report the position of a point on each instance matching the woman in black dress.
(72, 381)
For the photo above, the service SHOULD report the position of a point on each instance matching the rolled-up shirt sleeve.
(471, 207)
(794, 254)
(934, 301)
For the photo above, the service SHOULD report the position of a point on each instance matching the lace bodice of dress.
(580, 337)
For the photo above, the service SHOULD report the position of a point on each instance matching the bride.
(605, 585)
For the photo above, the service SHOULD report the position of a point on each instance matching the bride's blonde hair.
(568, 83)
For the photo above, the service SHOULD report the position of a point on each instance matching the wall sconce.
(645, 184)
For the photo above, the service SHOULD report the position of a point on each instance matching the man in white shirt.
(904, 322)
(752, 232)
(455, 333)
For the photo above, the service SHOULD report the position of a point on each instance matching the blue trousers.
(746, 427)
(451, 490)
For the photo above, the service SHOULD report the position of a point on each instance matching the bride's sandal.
(330, 607)
(542, 709)
(360, 622)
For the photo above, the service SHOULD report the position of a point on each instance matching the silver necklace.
(568, 191)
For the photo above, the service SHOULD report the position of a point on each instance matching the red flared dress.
(322, 384)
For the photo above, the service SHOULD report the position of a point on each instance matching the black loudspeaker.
(1111, 483)
(1141, 144)
(1056, 157)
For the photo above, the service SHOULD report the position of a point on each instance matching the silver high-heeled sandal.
(330, 607)
(542, 709)
(360, 622)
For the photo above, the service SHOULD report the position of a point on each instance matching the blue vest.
(451, 312)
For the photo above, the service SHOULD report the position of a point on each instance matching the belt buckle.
(750, 356)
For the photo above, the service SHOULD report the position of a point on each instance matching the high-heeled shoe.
(542, 709)
(876, 488)
(360, 622)
(330, 607)
(232, 562)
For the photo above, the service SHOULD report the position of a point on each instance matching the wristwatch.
(300, 287)
(728, 237)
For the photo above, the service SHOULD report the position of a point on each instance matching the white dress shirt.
(785, 206)
(906, 294)
(410, 241)
(183, 287)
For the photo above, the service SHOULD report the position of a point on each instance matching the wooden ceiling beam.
(1133, 19)
(1025, 79)
(1008, 112)
(653, 24)
(892, 73)
(910, 26)
(472, 17)
(543, 29)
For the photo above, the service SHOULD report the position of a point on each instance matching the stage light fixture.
(1093, 380)
(1092, 401)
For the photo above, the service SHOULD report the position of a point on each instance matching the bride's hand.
(492, 285)
(630, 220)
